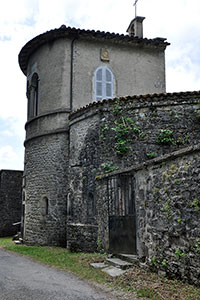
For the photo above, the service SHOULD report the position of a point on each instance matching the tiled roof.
(142, 99)
(71, 33)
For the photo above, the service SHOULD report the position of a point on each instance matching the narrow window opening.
(34, 84)
(45, 207)
(91, 205)
(32, 94)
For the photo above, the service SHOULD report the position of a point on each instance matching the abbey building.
(106, 148)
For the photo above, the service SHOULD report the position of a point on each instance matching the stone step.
(17, 242)
(113, 271)
(119, 263)
(131, 258)
(99, 265)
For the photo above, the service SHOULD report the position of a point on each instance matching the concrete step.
(113, 271)
(119, 263)
(133, 259)
(99, 265)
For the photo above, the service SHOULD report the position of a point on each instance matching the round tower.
(46, 66)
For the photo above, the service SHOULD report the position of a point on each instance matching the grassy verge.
(136, 281)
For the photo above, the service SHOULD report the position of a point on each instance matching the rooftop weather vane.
(135, 4)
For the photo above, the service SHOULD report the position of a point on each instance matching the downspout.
(71, 73)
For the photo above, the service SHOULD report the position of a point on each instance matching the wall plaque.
(105, 54)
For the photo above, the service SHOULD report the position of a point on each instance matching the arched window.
(34, 94)
(103, 83)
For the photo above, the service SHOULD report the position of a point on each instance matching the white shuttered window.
(103, 84)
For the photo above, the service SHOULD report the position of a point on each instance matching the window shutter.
(103, 84)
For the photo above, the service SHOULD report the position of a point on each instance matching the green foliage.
(142, 134)
(164, 263)
(176, 181)
(121, 147)
(166, 137)
(180, 254)
(167, 209)
(179, 220)
(117, 109)
(105, 128)
(151, 154)
(99, 245)
(195, 204)
(197, 240)
(121, 129)
(108, 167)
(125, 129)
(154, 261)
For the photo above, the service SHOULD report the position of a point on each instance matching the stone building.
(10, 201)
(114, 173)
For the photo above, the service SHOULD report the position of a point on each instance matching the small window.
(34, 85)
(103, 84)
(45, 206)
(32, 94)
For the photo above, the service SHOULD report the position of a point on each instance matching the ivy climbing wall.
(153, 138)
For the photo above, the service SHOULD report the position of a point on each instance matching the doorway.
(122, 215)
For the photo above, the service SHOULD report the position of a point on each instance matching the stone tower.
(67, 68)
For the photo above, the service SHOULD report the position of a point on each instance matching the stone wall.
(81, 217)
(168, 209)
(46, 179)
(10, 201)
(116, 136)
(131, 130)
(167, 204)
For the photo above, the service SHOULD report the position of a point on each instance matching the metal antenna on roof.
(135, 4)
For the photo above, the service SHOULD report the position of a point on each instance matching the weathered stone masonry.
(10, 201)
(166, 174)
(167, 204)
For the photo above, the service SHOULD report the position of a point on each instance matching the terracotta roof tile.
(71, 32)
(142, 98)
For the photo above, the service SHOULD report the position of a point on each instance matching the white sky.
(21, 20)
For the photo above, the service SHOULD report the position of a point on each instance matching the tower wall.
(51, 62)
(46, 189)
(46, 146)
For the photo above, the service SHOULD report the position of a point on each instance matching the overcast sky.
(21, 20)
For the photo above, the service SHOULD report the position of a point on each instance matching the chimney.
(135, 28)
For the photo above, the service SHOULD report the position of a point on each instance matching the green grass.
(147, 293)
(136, 282)
(61, 258)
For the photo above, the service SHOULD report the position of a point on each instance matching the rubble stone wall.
(46, 180)
(143, 133)
(168, 209)
(10, 201)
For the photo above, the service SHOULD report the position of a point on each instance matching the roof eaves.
(69, 32)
